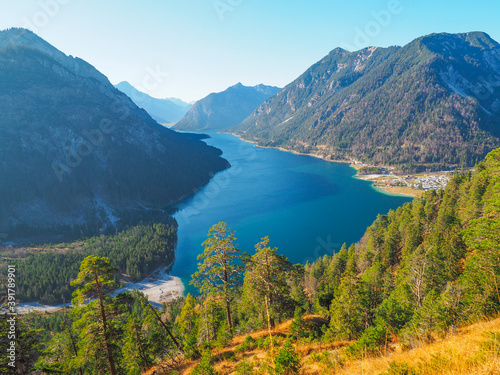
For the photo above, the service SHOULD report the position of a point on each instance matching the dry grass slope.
(472, 350)
(466, 352)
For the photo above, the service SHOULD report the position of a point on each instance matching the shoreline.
(318, 156)
(159, 287)
(352, 163)
(394, 191)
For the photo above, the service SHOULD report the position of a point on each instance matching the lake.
(307, 206)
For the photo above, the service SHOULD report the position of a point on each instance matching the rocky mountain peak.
(24, 38)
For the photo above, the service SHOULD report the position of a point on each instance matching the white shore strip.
(24, 308)
(159, 287)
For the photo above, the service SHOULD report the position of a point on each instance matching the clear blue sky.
(203, 46)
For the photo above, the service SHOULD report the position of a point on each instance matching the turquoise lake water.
(307, 206)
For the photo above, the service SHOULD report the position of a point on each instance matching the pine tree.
(136, 348)
(61, 353)
(98, 324)
(348, 310)
(187, 320)
(187, 323)
(287, 361)
(219, 271)
(210, 318)
(265, 284)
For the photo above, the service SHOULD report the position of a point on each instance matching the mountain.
(435, 100)
(165, 111)
(221, 110)
(76, 152)
(180, 102)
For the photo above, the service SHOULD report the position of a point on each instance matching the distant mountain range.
(435, 100)
(165, 111)
(78, 153)
(228, 108)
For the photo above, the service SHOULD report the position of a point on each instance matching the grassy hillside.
(473, 349)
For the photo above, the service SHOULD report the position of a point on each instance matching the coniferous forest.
(418, 275)
(45, 273)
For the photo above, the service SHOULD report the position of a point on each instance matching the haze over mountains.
(165, 111)
(435, 100)
(78, 152)
(221, 110)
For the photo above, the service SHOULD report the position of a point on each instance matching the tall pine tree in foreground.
(98, 323)
(219, 271)
(265, 287)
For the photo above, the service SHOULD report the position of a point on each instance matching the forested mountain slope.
(435, 100)
(76, 152)
(423, 268)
